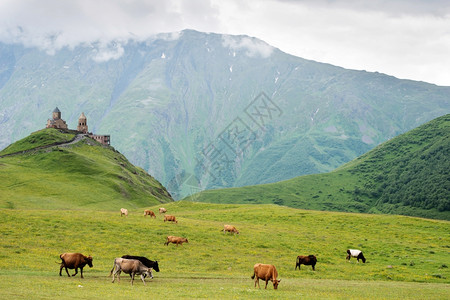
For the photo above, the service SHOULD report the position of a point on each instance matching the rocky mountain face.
(202, 111)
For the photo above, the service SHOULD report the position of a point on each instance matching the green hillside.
(407, 175)
(82, 175)
(401, 263)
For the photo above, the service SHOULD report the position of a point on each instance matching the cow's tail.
(253, 276)
(110, 273)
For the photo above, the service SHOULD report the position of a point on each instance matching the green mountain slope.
(409, 175)
(83, 175)
(189, 106)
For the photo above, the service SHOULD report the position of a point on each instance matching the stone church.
(57, 122)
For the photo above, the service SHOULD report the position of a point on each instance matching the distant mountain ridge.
(202, 111)
(408, 175)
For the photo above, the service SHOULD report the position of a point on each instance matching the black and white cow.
(355, 253)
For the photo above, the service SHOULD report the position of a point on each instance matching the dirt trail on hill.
(75, 140)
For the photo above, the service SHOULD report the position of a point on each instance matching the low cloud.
(253, 47)
(404, 38)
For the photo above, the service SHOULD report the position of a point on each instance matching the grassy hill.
(82, 175)
(407, 175)
(407, 258)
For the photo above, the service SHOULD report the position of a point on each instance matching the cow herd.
(142, 266)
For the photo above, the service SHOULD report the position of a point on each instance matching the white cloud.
(253, 47)
(404, 38)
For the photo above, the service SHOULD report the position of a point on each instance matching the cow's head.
(275, 283)
(149, 272)
(156, 266)
(89, 261)
(363, 259)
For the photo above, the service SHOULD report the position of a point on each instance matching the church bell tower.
(82, 124)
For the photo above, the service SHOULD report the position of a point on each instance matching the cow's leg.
(142, 278)
(267, 281)
(76, 272)
(116, 272)
(313, 267)
(257, 281)
(60, 269)
(81, 271)
(132, 278)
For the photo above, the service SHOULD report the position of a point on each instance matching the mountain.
(409, 175)
(50, 169)
(203, 111)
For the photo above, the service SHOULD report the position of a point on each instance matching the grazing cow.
(170, 218)
(162, 210)
(149, 213)
(176, 240)
(355, 253)
(123, 211)
(266, 273)
(147, 262)
(230, 228)
(306, 260)
(132, 267)
(74, 261)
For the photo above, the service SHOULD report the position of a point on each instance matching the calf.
(355, 253)
(74, 261)
(266, 273)
(170, 218)
(162, 210)
(123, 211)
(149, 213)
(230, 228)
(132, 267)
(306, 260)
(176, 240)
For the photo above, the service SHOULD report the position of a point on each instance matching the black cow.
(306, 260)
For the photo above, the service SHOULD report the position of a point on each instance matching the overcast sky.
(409, 39)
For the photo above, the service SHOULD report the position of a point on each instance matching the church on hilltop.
(58, 123)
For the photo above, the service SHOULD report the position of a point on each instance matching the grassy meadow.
(406, 257)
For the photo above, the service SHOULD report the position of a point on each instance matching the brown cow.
(74, 261)
(170, 218)
(149, 213)
(176, 240)
(132, 267)
(306, 260)
(123, 211)
(266, 273)
(230, 228)
(162, 210)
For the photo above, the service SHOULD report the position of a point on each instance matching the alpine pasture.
(406, 257)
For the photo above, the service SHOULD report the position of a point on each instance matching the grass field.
(406, 257)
